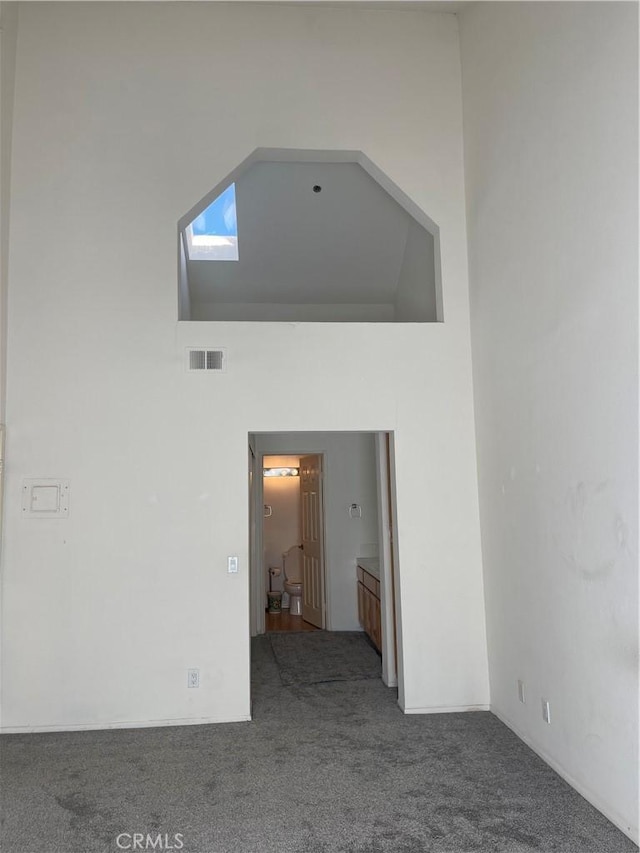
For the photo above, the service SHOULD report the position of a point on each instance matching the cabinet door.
(368, 610)
(369, 614)
(362, 608)
(376, 623)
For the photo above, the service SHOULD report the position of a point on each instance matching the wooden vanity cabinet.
(369, 606)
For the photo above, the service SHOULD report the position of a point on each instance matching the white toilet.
(292, 567)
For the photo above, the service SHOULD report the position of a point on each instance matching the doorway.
(293, 536)
(358, 522)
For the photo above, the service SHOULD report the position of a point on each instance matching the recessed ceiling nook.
(308, 236)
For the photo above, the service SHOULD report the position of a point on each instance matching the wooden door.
(312, 516)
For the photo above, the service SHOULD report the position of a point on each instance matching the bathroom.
(281, 538)
(348, 516)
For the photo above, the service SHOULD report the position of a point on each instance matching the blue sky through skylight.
(220, 217)
(213, 234)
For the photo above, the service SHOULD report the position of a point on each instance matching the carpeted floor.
(332, 767)
(324, 656)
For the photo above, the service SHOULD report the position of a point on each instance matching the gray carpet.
(318, 656)
(333, 767)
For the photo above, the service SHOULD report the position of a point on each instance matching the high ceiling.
(344, 244)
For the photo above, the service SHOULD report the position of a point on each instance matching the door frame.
(388, 556)
(392, 657)
(258, 583)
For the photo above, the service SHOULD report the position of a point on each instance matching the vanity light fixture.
(281, 472)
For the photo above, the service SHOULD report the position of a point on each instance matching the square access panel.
(45, 498)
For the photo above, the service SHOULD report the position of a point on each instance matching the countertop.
(371, 565)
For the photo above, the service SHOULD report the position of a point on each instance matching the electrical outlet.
(193, 678)
(521, 691)
(546, 711)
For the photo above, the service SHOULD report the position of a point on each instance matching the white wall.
(184, 303)
(551, 153)
(416, 297)
(349, 477)
(133, 589)
(8, 39)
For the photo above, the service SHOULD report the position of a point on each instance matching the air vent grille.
(205, 359)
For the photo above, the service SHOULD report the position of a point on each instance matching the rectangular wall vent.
(205, 359)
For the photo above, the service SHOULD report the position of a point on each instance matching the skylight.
(213, 235)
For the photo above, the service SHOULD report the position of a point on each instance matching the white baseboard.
(134, 724)
(446, 709)
(584, 791)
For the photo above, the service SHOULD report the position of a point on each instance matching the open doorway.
(356, 588)
(293, 534)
